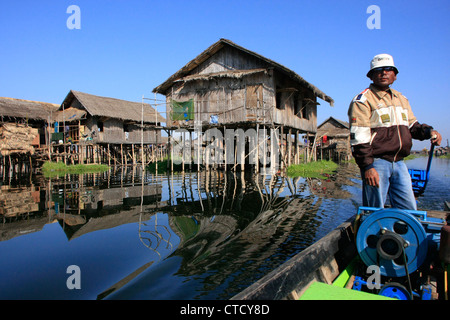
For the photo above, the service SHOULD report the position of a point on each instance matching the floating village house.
(107, 130)
(23, 134)
(230, 87)
(333, 137)
(84, 129)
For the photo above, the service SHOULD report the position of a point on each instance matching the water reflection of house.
(88, 209)
(331, 187)
(101, 129)
(17, 201)
(334, 140)
(238, 219)
(22, 211)
(236, 223)
(249, 216)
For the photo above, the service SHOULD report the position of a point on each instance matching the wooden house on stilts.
(334, 140)
(95, 129)
(235, 94)
(24, 134)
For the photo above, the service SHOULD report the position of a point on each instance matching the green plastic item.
(323, 291)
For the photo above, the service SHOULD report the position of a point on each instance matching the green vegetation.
(316, 169)
(414, 155)
(425, 154)
(162, 166)
(52, 169)
(186, 226)
(352, 160)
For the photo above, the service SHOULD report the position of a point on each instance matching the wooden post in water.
(199, 138)
(142, 132)
(225, 147)
(121, 152)
(191, 156)
(257, 148)
(289, 142)
(282, 147)
(182, 154)
(242, 153)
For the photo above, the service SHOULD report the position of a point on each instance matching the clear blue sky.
(126, 48)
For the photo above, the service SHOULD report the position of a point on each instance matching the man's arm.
(436, 138)
(360, 136)
(360, 133)
(424, 131)
(421, 131)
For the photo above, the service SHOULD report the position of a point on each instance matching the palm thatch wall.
(17, 138)
(22, 125)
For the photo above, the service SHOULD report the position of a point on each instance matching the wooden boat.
(327, 271)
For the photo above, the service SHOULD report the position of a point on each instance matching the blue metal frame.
(419, 178)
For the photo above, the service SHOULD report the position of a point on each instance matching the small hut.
(24, 132)
(334, 140)
(106, 129)
(230, 87)
(23, 124)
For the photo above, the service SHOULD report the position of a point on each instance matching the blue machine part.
(419, 179)
(396, 291)
(386, 236)
(426, 292)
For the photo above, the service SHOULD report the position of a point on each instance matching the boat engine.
(398, 241)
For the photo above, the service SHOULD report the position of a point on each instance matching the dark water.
(438, 187)
(183, 236)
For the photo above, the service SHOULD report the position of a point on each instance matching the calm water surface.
(183, 236)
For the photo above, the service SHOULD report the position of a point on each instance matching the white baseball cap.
(382, 60)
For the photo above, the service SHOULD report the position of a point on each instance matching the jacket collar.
(382, 93)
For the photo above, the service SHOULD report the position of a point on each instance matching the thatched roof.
(19, 108)
(69, 114)
(333, 127)
(113, 108)
(336, 122)
(213, 49)
(237, 74)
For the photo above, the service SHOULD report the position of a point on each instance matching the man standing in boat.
(382, 126)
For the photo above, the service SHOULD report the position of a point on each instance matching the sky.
(124, 49)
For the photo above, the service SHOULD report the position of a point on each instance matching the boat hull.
(324, 261)
(321, 262)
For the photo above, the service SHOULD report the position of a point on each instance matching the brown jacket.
(382, 125)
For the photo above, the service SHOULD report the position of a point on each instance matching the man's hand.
(436, 138)
(372, 178)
